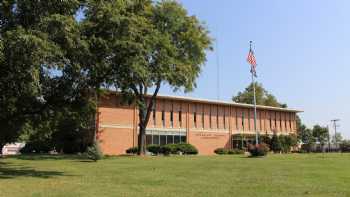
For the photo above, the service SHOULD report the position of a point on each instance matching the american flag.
(251, 60)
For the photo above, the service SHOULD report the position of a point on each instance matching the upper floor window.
(210, 123)
(249, 119)
(236, 119)
(243, 120)
(224, 121)
(154, 114)
(171, 118)
(281, 122)
(163, 118)
(203, 119)
(195, 119)
(275, 120)
(180, 118)
(217, 117)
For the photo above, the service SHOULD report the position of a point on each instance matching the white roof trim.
(226, 103)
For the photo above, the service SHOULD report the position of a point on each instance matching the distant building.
(206, 124)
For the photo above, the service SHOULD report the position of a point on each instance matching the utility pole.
(335, 131)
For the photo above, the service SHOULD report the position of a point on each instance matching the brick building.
(206, 124)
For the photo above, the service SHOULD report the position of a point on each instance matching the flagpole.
(256, 131)
(253, 81)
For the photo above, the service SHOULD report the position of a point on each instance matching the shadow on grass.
(47, 157)
(9, 172)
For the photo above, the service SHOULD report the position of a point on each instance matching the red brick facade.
(205, 124)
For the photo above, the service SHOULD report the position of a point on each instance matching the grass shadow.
(47, 157)
(10, 172)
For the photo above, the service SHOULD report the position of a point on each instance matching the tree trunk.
(144, 115)
(142, 131)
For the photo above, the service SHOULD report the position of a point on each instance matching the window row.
(243, 119)
(165, 139)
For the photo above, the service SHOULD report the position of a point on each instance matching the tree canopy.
(40, 64)
(53, 67)
(263, 97)
(144, 44)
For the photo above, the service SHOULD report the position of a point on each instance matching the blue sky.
(302, 49)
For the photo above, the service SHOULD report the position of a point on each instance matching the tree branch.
(152, 101)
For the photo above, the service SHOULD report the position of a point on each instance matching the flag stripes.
(252, 61)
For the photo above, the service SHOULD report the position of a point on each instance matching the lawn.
(276, 175)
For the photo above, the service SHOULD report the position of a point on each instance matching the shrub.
(345, 146)
(258, 150)
(227, 151)
(171, 149)
(235, 152)
(187, 149)
(94, 152)
(221, 151)
(132, 150)
(154, 149)
(166, 150)
(276, 143)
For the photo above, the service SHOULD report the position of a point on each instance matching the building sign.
(210, 135)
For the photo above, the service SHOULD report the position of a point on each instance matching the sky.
(302, 50)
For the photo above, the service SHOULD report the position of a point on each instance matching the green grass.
(276, 175)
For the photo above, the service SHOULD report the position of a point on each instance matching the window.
(180, 118)
(155, 139)
(217, 117)
(281, 122)
(149, 139)
(162, 140)
(203, 119)
(195, 119)
(164, 137)
(270, 121)
(163, 118)
(170, 139)
(236, 119)
(285, 121)
(171, 118)
(176, 139)
(210, 124)
(275, 120)
(243, 120)
(224, 121)
(154, 116)
(249, 119)
(182, 139)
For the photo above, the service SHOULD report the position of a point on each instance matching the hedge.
(227, 151)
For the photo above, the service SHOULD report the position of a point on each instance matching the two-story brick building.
(207, 124)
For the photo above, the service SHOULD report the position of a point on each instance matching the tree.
(276, 145)
(320, 134)
(263, 97)
(41, 51)
(145, 44)
(300, 128)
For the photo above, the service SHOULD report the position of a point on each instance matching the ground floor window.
(165, 137)
(242, 141)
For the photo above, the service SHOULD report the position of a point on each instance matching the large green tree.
(144, 44)
(40, 58)
(263, 97)
(321, 134)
